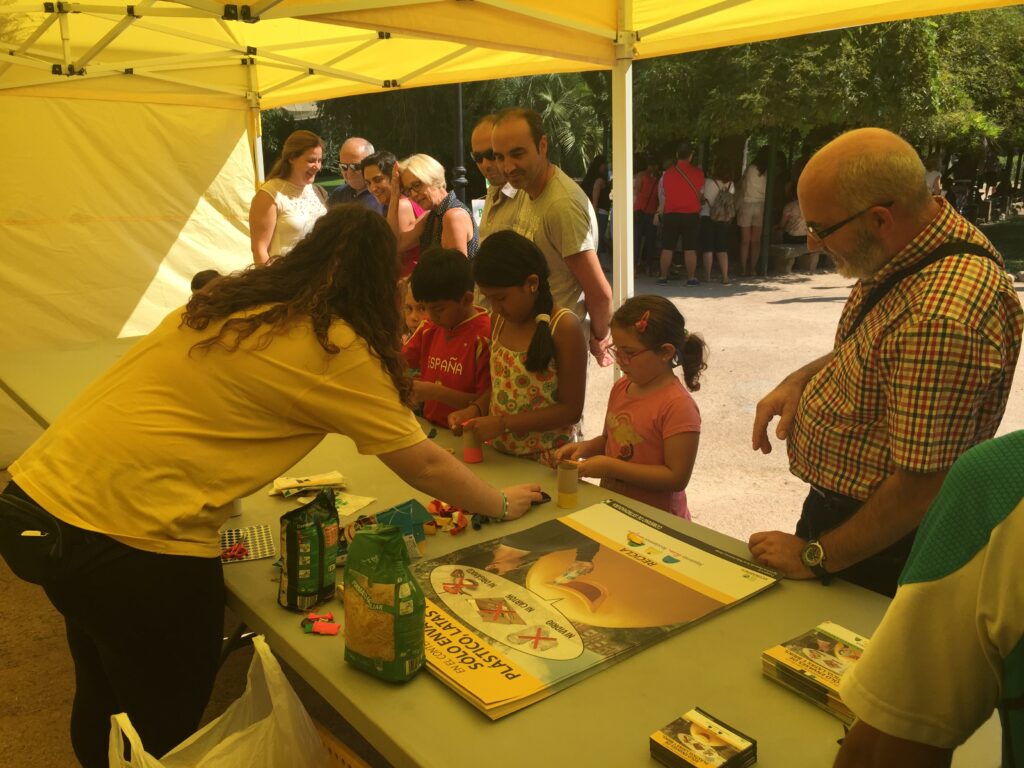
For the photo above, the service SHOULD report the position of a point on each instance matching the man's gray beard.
(870, 255)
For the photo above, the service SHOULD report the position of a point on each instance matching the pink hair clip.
(641, 324)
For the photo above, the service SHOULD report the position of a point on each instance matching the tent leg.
(622, 173)
(255, 126)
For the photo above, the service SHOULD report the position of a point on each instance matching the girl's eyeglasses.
(625, 355)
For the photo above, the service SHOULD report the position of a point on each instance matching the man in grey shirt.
(501, 201)
(557, 215)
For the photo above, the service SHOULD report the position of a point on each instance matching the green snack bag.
(309, 548)
(384, 606)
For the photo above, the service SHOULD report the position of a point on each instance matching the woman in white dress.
(285, 208)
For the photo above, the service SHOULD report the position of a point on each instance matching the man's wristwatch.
(813, 556)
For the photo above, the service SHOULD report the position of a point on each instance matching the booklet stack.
(813, 664)
(698, 740)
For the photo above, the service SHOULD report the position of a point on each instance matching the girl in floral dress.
(538, 355)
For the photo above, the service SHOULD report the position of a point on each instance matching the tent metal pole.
(550, 18)
(119, 10)
(260, 8)
(362, 37)
(234, 47)
(170, 63)
(597, 62)
(345, 6)
(65, 39)
(622, 159)
(353, 52)
(31, 62)
(50, 81)
(435, 64)
(319, 69)
(285, 83)
(45, 25)
(255, 123)
(112, 35)
(724, 5)
(141, 72)
(228, 31)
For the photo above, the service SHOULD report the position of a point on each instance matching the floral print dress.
(514, 389)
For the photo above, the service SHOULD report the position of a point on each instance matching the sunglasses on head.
(479, 157)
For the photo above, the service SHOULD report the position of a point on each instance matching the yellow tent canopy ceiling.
(203, 52)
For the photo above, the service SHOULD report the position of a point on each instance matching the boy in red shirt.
(451, 347)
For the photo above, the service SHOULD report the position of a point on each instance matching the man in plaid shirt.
(920, 371)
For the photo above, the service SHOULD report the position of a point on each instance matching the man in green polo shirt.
(950, 649)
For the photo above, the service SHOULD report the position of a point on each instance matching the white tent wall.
(116, 205)
(108, 210)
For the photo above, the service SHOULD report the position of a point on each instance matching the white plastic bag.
(266, 727)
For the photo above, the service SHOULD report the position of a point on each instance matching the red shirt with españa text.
(459, 359)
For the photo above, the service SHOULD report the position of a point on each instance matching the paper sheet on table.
(332, 479)
(346, 503)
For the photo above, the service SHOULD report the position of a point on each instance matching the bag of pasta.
(384, 606)
(309, 549)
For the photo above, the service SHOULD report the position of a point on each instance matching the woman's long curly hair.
(346, 267)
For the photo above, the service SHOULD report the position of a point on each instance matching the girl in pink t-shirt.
(652, 428)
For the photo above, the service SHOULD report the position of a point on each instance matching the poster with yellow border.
(515, 619)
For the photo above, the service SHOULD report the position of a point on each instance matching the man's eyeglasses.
(479, 157)
(820, 234)
(348, 167)
(625, 355)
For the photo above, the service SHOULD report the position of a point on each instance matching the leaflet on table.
(822, 654)
(699, 740)
(513, 620)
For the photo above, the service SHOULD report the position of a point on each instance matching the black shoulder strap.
(951, 248)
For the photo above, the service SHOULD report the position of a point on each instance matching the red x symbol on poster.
(534, 638)
(459, 585)
(500, 611)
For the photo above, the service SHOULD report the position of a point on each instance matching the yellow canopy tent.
(130, 132)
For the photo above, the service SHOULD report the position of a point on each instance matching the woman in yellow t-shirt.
(139, 473)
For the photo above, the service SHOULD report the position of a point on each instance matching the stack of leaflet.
(698, 740)
(305, 489)
(813, 664)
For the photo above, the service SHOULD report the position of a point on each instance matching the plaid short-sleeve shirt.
(925, 376)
